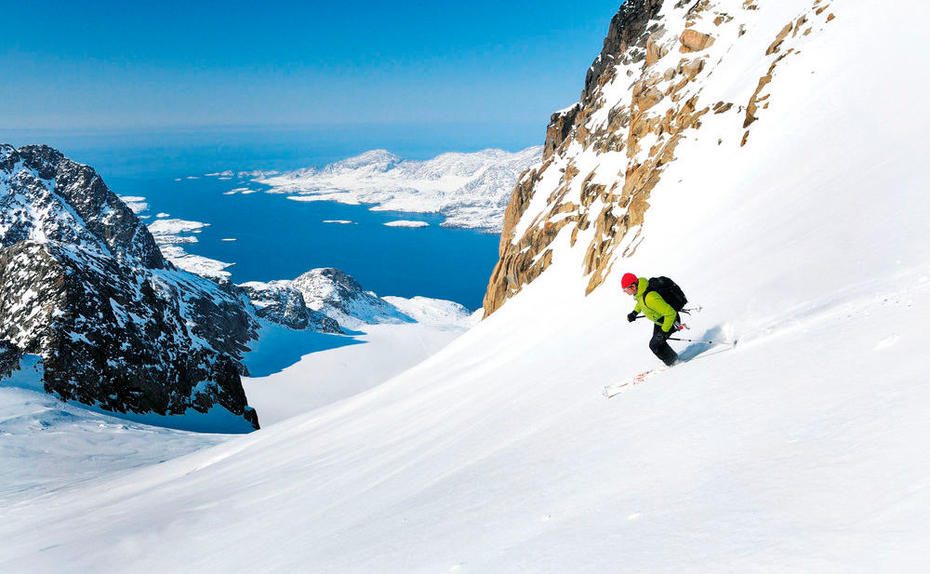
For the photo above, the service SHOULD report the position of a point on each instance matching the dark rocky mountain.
(326, 300)
(83, 285)
(280, 302)
(338, 295)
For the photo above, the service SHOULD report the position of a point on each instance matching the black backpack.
(670, 292)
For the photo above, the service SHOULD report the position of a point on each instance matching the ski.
(625, 384)
(630, 382)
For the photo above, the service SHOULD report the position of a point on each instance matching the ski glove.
(632, 316)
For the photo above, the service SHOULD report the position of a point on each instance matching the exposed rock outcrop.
(560, 127)
(282, 303)
(694, 41)
(83, 285)
(643, 96)
(625, 38)
(339, 296)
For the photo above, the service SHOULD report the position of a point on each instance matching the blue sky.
(115, 65)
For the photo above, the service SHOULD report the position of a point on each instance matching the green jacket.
(654, 306)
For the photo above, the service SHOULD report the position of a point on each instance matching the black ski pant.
(659, 345)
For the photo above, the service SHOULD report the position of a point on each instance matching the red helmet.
(628, 279)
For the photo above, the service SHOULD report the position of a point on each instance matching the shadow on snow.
(279, 347)
(694, 349)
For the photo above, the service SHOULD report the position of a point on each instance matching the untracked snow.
(346, 366)
(47, 444)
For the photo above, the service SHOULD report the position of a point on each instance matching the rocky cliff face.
(282, 303)
(644, 95)
(83, 285)
(339, 296)
(325, 300)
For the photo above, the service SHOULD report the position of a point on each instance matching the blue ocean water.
(277, 238)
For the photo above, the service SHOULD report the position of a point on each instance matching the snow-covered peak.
(83, 285)
(370, 162)
(470, 189)
(325, 298)
(678, 86)
(45, 197)
(6, 153)
(282, 303)
(338, 295)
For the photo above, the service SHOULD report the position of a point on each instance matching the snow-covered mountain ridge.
(83, 285)
(48, 198)
(324, 299)
(470, 189)
(670, 74)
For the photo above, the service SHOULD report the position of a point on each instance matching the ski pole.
(696, 341)
(690, 340)
(687, 310)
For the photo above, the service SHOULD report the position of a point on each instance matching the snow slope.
(327, 376)
(332, 368)
(770, 458)
(47, 444)
(802, 450)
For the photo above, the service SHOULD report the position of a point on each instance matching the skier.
(653, 306)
